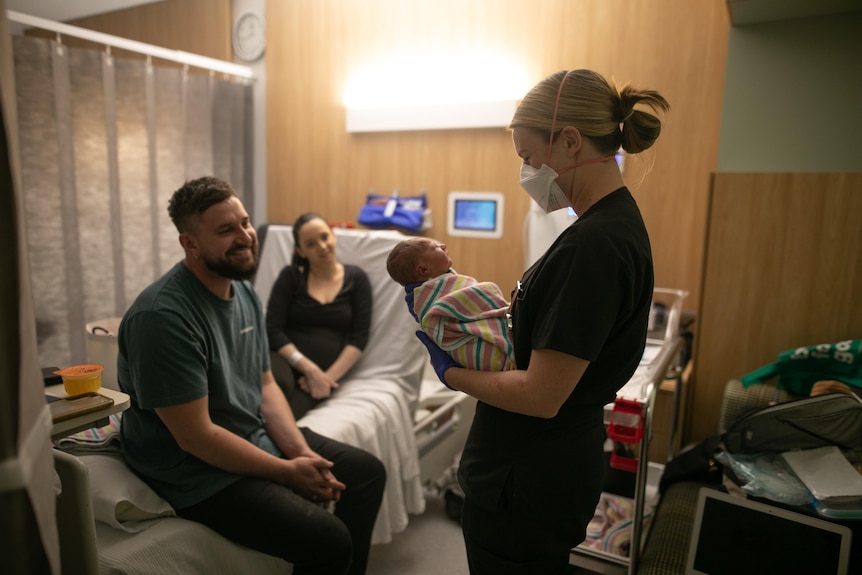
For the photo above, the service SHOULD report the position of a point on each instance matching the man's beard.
(226, 269)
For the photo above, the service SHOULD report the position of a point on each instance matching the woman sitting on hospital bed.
(318, 317)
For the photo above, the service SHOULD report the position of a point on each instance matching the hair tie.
(629, 115)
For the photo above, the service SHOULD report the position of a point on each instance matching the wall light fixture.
(433, 92)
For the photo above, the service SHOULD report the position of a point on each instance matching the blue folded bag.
(409, 213)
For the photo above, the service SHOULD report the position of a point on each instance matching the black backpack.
(807, 423)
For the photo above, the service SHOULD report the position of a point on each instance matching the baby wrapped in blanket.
(465, 317)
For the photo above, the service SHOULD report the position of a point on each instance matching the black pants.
(271, 518)
(542, 511)
(499, 544)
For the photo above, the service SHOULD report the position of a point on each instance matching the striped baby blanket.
(466, 318)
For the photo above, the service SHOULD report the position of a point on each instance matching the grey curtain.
(104, 143)
(29, 539)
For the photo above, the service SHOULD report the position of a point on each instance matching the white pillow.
(120, 498)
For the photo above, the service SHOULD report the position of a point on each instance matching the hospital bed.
(385, 405)
(416, 425)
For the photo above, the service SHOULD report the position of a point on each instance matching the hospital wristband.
(294, 358)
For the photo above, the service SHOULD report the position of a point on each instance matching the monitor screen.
(475, 214)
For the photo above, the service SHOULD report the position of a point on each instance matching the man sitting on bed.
(208, 427)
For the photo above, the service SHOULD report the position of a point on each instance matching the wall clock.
(249, 36)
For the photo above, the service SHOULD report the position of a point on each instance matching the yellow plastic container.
(81, 379)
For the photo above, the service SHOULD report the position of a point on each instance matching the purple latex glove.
(440, 360)
(408, 297)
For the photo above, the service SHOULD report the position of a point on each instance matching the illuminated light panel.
(433, 92)
(430, 117)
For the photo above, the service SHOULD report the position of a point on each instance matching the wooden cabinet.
(782, 269)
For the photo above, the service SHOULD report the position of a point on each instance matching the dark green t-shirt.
(179, 342)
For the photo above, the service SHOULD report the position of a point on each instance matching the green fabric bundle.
(799, 369)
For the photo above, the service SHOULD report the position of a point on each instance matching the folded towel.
(611, 528)
(96, 439)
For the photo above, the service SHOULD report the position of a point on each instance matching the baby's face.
(433, 258)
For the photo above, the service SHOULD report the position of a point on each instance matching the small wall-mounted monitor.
(475, 214)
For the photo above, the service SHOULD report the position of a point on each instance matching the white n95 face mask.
(542, 186)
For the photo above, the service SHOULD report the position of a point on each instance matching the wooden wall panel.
(675, 47)
(782, 270)
(198, 26)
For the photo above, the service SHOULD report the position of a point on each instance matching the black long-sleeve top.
(319, 331)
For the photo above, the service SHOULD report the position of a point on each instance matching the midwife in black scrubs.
(532, 468)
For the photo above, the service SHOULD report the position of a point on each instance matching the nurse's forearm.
(539, 391)
(508, 390)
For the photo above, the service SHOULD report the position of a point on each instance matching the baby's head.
(416, 260)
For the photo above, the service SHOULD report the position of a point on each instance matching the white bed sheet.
(115, 524)
(373, 414)
(174, 545)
